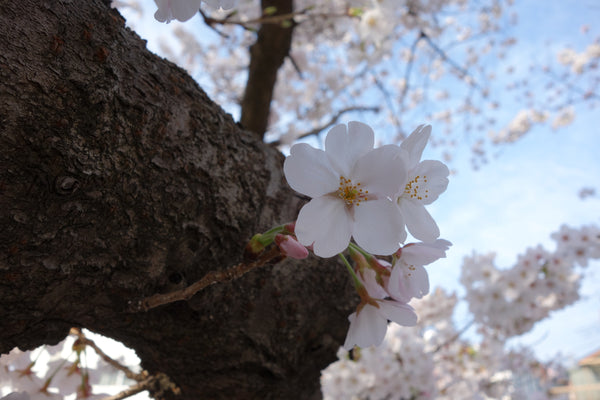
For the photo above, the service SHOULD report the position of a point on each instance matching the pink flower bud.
(291, 247)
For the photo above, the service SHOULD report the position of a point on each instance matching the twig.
(130, 391)
(332, 121)
(269, 19)
(209, 22)
(115, 364)
(463, 72)
(210, 278)
(159, 381)
(407, 73)
(453, 338)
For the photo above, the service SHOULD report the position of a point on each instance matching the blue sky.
(529, 188)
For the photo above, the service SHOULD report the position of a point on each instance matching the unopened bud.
(254, 247)
(291, 247)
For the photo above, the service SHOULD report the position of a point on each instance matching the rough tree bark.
(120, 179)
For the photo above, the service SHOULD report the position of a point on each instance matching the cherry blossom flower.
(426, 181)
(409, 278)
(181, 10)
(351, 186)
(369, 323)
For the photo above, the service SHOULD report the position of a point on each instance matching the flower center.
(352, 194)
(412, 188)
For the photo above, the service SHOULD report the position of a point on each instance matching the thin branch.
(585, 94)
(453, 338)
(334, 119)
(407, 73)
(270, 19)
(132, 390)
(115, 364)
(210, 278)
(210, 23)
(159, 382)
(463, 72)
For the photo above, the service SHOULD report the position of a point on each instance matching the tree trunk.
(120, 179)
(267, 54)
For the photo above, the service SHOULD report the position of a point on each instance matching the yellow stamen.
(352, 194)
(412, 188)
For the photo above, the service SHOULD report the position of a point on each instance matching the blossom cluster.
(580, 61)
(431, 361)
(59, 371)
(511, 301)
(372, 195)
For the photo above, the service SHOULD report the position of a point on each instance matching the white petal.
(415, 144)
(344, 146)
(419, 222)
(437, 179)
(423, 253)
(418, 282)
(400, 313)
(163, 14)
(382, 171)
(308, 171)
(324, 222)
(366, 329)
(397, 287)
(184, 9)
(368, 278)
(378, 227)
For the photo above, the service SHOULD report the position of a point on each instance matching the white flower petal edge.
(419, 222)
(181, 10)
(309, 172)
(378, 227)
(433, 180)
(408, 278)
(415, 143)
(324, 222)
(344, 146)
(426, 181)
(368, 327)
(424, 253)
(382, 170)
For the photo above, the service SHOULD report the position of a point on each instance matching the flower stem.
(360, 250)
(357, 283)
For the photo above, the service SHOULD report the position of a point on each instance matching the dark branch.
(267, 54)
(210, 278)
